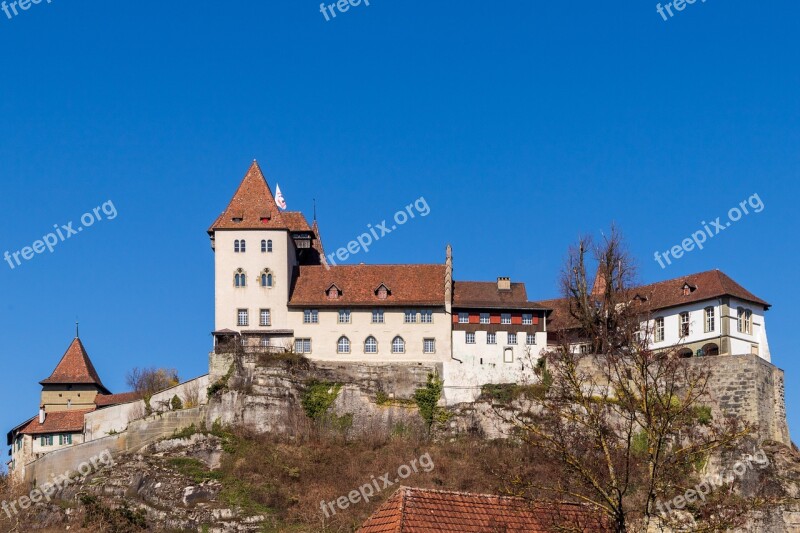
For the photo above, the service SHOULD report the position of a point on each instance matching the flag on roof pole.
(279, 201)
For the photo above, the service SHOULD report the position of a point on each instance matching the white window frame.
(491, 337)
(264, 317)
(505, 318)
(368, 346)
(530, 339)
(511, 338)
(310, 316)
(527, 319)
(469, 337)
(463, 318)
(410, 316)
(684, 324)
(242, 313)
(710, 319)
(486, 318)
(398, 345)
(344, 316)
(659, 329)
(304, 345)
(426, 316)
(429, 345)
(377, 316)
(343, 345)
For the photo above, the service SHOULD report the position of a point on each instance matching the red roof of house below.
(411, 510)
(58, 422)
(74, 368)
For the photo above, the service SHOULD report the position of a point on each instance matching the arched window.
(240, 278)
(343, 346)
(269, 245)
(263, 246)
(236, 246)
(266, 278)
(398, 345)
(241, 245)
(371, 345)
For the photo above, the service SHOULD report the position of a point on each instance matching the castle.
(275, 291)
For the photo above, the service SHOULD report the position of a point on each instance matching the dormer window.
(237, 220)
(688, 289)
(382, 292)
(333, 292)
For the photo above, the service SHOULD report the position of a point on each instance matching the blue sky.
(523, 125)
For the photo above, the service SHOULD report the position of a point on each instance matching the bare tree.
(626, 426)
(148, 381)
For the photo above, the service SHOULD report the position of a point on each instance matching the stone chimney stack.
(503, 284)
(448, 280)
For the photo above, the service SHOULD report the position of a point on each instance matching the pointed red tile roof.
(75, 367)
(254, 204)
(411, 510)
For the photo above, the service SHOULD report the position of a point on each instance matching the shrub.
(318, 397)
(176, 403)
(427, 399)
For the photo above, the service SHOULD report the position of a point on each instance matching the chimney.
(503, 284)
(448, 280)
(41, 415)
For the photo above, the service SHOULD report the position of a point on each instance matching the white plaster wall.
(741, 343)
(325, 335)
(475, 365)
(228, 298)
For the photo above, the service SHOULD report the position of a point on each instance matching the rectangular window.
(46, 440)
(710, 325)
(491, 338)
(426, 316)
(659, 333)
(470, 336)
(429, 346)
(311, 316)
(512, 338)
(302, 345)
(65, 439)
(683, 330)
(485, 318)
(377, 316)
(242, 317)
(530, 339)
(19, 443)
(527, 319)
(344, 316)
(264, 318)
(463, 318)
(745, 321)
(505, 318)
(410, 317)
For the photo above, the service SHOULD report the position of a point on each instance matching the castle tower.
(74, 383)
(257, 248)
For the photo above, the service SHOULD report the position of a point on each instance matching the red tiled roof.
(295, 221)
(105, 400)
(665, 294)
(409, 285)
(486, 294)
(75, 367)
(58, 422)
(254, 203)
(411, 510)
